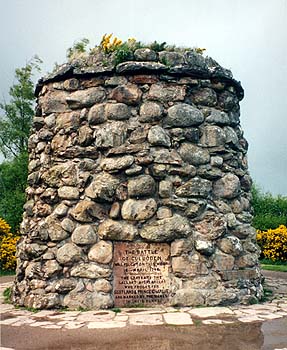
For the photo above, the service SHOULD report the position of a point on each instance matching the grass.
(281, 268)
(7, 295)
(7, 273)
(270, 265)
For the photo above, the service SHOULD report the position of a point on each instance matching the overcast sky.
(247, 36)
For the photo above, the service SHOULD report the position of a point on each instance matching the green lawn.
(6, 273)
(281, 268)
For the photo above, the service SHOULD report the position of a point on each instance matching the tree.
(13, 180)
(15, 123)
(269, 211)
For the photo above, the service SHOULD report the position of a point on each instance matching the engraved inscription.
(141, 274)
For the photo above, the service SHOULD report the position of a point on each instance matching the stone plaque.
(141, 274)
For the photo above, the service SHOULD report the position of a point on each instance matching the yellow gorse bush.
(273, 243)
(4, 228)
(8, 242)
(109, 45)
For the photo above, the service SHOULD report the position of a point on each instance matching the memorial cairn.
(138, 189)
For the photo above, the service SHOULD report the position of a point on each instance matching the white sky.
(247, 36)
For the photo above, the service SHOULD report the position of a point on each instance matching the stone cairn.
(149, 150)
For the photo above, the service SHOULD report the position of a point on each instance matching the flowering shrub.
(8, 243)
(273, 243)
(4, 228)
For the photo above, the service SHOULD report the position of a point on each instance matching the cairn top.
(144, 61)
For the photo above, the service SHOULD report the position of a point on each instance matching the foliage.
(272, 267)
(7, 295)
(273, 243)
(15, 123)
(4, 228)
(269, 211)
(13, 179)
(8, 243)
(117, 50)
(78, 48)
(107, 45)
(157, 47)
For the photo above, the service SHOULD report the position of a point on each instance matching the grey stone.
(129, 94)
(54, 229)
(90, 270)
(150, 112)
(195, 187)
(171, 58)
(87, 211)
(195, 209)
(143, 185)
(193, 154)
(62, 285)
(68, 121)
(116, 230)
(138, 209)
(165, 230)
(208, 172)
(103, 187)
(85, 135)
(202, 282)
(166, 93)
(188, 266)
(145, 54)
(244, 231)
(115, 210)
(183, 115)
(116, 164)
(204, 96)
(115, 81)
(51, 268)
(223, 262)
(188, 297)
(203, 246)
(68, 225)
(134, 170)
(86, 98)
(212, 136)
(227, 187)
(227, 100)
(247, 260)
(231, 136)
(135, 66)
(101, 252)
(216, 116)
(163, 213)
(157, 136)
(165, 188)
(69, 253)
(53, 102)
(97, 114)
(230, 245)
(212, 226)
(68, 192)
(102, 285)
(165, 156)
(84, 234)
(181, 246)
(61, 175)
(61, 210)
(112, 134)
(50, 121)
(117, 111)
(216, 161)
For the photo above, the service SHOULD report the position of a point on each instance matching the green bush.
(269, 211)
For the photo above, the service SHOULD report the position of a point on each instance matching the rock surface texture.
(149, 150)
